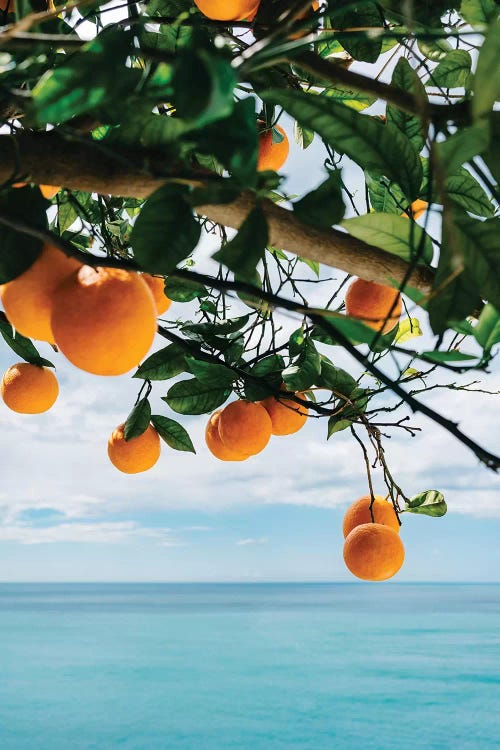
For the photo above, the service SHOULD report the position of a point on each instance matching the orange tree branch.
(79, 164)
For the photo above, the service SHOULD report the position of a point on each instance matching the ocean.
(249, 667)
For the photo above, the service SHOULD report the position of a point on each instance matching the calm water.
(252, 667)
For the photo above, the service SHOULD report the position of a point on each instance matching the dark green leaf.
(305, 372)
(487, 78)
(373, 145)
(166, 231)
(487, 331)
(172, 433)
(210, 373)
(19, 251)
(392, 233)
(361, 45)
(217, 329)
(451, 356)
(138, 419)
(323, 206)
(22, 346)
(242, 254)
(462, 146)
(385, 196)
(336, 379)
(163, 364)
(429, 503)
(193, 397)
(466, 192)
(405, 78)
(337, 424)
(184, 290)
(453, 71)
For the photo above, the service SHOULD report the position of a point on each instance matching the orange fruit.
(373, 552)
(215, 444)
(287, 417)
(228, 10)
(359, 513)
(417, 208)
(245, 427)
(157, 287)
(371, 303)
(29, 389)
(271, 156)
(137, 454)
(304, 32)
(27, 299)
(104, 319)
(48, 191)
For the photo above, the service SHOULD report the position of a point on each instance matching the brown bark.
(79, 164)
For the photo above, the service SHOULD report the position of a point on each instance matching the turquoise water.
(250, 667)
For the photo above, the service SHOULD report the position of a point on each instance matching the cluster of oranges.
(373, 550)
(103, 320)
(243, 428)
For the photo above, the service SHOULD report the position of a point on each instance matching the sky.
(66, 514)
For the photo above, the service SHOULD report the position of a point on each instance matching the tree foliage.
(164, 94)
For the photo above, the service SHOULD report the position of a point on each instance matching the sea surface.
(249, 667)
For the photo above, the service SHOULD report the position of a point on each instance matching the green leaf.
(304, 373)
(323, 206)
(453, 71)
(487, 330)
(337, 424)
(138, 419)
(163, 364)
(193, 397)
(429, 503)
(233, 141)
(66, 216)
(242, 254)
(21, 345)
(479, 243)
(434, 49)
(371, 144)
(478, 12)
(303, 136)
(392, 233)
(336, 379)
(361, 45)
(172, 433)
(451, 356)
(19, 251)
(405, 78)
(94, 75)
(487, 76)
(385, 197)
(466, 192)
(350, 97)
(217, 329)
(184, 290)
(210, 373)
(462, 146)
(203, 82)
(166, 231)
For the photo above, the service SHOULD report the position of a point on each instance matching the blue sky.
(67, 514)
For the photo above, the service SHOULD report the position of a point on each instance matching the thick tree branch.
(49, 158)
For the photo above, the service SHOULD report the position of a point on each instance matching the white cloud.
(250, 541)
(94, 533)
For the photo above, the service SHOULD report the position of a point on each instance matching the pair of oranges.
(243, 428)
(373, 550)
(102, 319)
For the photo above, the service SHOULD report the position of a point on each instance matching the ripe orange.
(228, 10)
(215, 444)
(48, 191)
(27, 300)
(371, 303)
(157, 287)
(417, 208)
(359, 513)
(245, 427)
(134, 455)
(271, 155)
(374, 552)
(287, 417)
(29, 389)
(104, 319)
